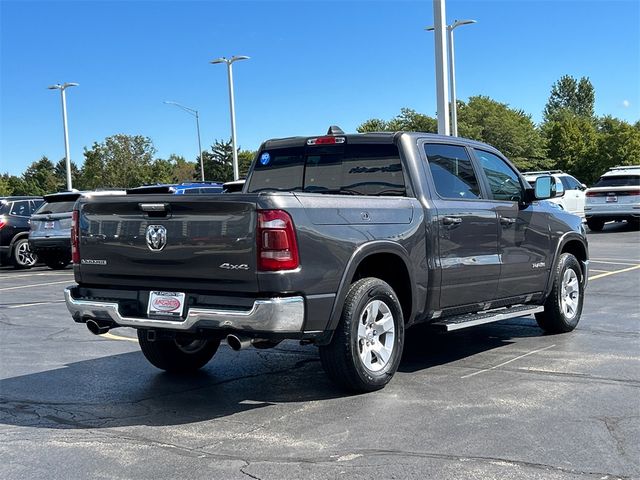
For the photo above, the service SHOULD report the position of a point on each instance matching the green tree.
(245, 158)
(617, 143)
(182, 169)
(121, 161)
(408, 120)
(60, 172)
(509, 130)
(576, 96)
(5, 186)
(40, 177)
(571, 143)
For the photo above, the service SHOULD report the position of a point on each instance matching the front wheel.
(595, 224)
(366, 348)
(22, 256)
(180, 355)
(563, 308)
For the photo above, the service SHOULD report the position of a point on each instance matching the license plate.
(49, 225)
(612, 199)
(168, 304)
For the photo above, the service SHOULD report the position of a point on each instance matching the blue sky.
(312, 64)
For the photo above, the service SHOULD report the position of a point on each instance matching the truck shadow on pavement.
(124, 390)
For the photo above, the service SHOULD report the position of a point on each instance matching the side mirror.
(557, 188)
(543, 187)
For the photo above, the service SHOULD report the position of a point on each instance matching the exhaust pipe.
(96, 328)
(238, 342)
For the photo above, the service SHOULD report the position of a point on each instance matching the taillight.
(277, 245)
(591, 194)
(75, 237)
(3, 222)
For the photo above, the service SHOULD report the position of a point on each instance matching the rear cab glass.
(349, 169)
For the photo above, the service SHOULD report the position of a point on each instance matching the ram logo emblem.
(156, 237)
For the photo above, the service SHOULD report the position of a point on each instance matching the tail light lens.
(277, 245)
(3, 222)
(75, 237)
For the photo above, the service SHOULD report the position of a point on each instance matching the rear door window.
(452, 172)
(352, 169)
(20, 208)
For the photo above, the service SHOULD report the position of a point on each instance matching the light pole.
(229, 62)
(193, 112)
(67, 156)
(452, 72)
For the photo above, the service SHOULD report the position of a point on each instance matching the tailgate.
(169, 242)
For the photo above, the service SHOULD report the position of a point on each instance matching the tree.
(40, 177)
(5, 186)
(121, 161)
(578, 97)
(408, 120)
(509, 130)
(245, 158)
(60, 172)
(218, 163)
(571, 140)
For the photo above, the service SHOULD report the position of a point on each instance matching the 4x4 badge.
(156, 237)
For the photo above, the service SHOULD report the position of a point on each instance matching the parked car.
(614, 197)
(573, 198)
(15, 213)
(342, 241)
(50, 234)
(187, 188)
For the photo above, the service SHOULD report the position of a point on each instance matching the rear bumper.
(53, 245)
(283, 315)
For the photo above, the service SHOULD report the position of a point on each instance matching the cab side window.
(452, 172)
(503, 180)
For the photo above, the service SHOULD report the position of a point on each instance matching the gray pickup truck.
(342, 241)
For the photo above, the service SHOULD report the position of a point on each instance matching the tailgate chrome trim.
(278, 315)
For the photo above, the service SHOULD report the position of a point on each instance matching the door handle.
(507, 221)
(452, 220)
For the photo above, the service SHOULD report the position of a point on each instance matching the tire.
(21, 255)
(180, 355)
(563, 307)
(350, 360)
(55, 263)
(595, 224)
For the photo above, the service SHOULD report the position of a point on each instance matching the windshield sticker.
(265, 158)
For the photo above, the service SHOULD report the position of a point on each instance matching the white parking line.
(57, 274)
(33, 285)
(595, 277)
(508, 361)
(616, 262)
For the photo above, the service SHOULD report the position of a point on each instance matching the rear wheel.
(595, 224)
(22, 256)
(366, 348)
(563, 308)
(180, 355)
(55, 263)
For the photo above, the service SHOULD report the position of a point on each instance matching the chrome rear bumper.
(277, 315)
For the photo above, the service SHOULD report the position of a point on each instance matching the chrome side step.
(458, 322)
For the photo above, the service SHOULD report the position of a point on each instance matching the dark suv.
(14, 230)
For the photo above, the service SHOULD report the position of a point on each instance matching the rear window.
(55, 207)
(618, 181)
(356, 169)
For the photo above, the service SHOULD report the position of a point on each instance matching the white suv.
(573, 199)
(615, 196)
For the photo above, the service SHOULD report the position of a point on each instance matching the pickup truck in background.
(342, 241)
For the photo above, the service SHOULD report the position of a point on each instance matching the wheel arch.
(575, 244)
(382, 259)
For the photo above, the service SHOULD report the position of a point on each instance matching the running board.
(458, 322)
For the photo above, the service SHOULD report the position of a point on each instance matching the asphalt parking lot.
(496, 401)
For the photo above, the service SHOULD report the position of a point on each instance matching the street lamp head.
(57, 86)
(71, 84)
(219, 60)
(457, 23)
(430, 28)
(235, 58)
